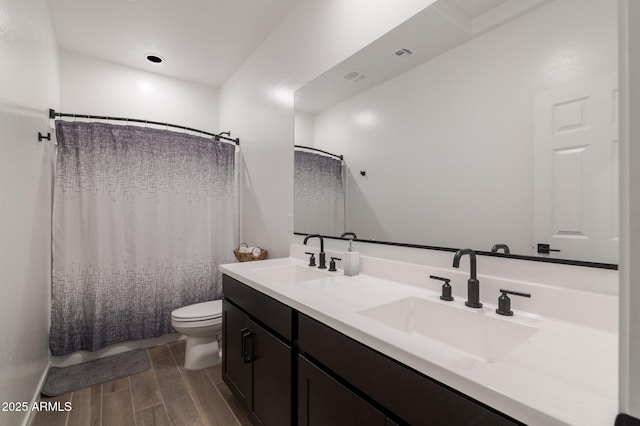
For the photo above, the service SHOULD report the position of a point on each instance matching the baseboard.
(36, 397)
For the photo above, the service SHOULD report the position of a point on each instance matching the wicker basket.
(248, 257)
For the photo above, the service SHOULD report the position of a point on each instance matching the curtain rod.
(319, 150)
(53, 114)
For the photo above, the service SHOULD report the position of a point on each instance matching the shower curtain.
(141, 220)
(319, 197)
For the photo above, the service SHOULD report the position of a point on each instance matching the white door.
(576, 170)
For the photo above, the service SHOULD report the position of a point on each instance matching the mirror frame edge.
(582, 263)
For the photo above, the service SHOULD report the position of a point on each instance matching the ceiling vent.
(404, 52)
(354, 76)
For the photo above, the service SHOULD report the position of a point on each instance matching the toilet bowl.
(202, 325)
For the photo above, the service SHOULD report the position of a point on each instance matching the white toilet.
(202, 325)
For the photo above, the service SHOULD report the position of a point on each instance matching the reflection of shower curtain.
(141, 220)
(319, 194)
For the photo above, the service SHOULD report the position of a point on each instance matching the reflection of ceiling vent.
(403, 52)
(354, 76)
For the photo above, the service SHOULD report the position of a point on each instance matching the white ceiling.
(433, 31)
(203, 41)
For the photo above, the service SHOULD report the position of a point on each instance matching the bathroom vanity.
(339, 380)
(303, 346)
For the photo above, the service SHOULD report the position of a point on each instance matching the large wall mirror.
(472, 124)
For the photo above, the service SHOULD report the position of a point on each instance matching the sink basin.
(476, 332)
(290, 274)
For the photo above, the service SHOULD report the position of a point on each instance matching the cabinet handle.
(243, 342)
(244, 345)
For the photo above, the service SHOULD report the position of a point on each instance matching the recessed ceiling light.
(152, 57)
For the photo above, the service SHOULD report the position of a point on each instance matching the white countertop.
(564, 374)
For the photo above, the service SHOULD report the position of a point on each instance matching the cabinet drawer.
(275, 315)
(413, 397)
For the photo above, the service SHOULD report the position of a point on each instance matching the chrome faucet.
(321, 258)
(473, 285)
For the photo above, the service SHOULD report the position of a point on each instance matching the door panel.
(271, 377)
(324, 401)
(576, 170)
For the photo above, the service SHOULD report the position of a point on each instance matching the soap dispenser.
(351, 261)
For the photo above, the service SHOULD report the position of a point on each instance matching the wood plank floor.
(166, 394)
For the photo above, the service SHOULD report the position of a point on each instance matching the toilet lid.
(199, 311)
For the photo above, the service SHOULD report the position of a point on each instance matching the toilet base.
(202, 352)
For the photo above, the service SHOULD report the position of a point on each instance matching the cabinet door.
(271, 366)
(236, 373)
(256, 366)
(324, 401)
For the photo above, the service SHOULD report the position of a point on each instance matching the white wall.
(448, 146)
(256, 103)
(305, 129)
(28, 87)
(94, 87)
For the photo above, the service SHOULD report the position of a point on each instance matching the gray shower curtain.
(319, 196)
(141, 220)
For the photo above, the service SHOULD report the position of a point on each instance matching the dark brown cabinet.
(411, 396)
(322, 400)
(256, 365)
(288, 368)
(271, 362)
